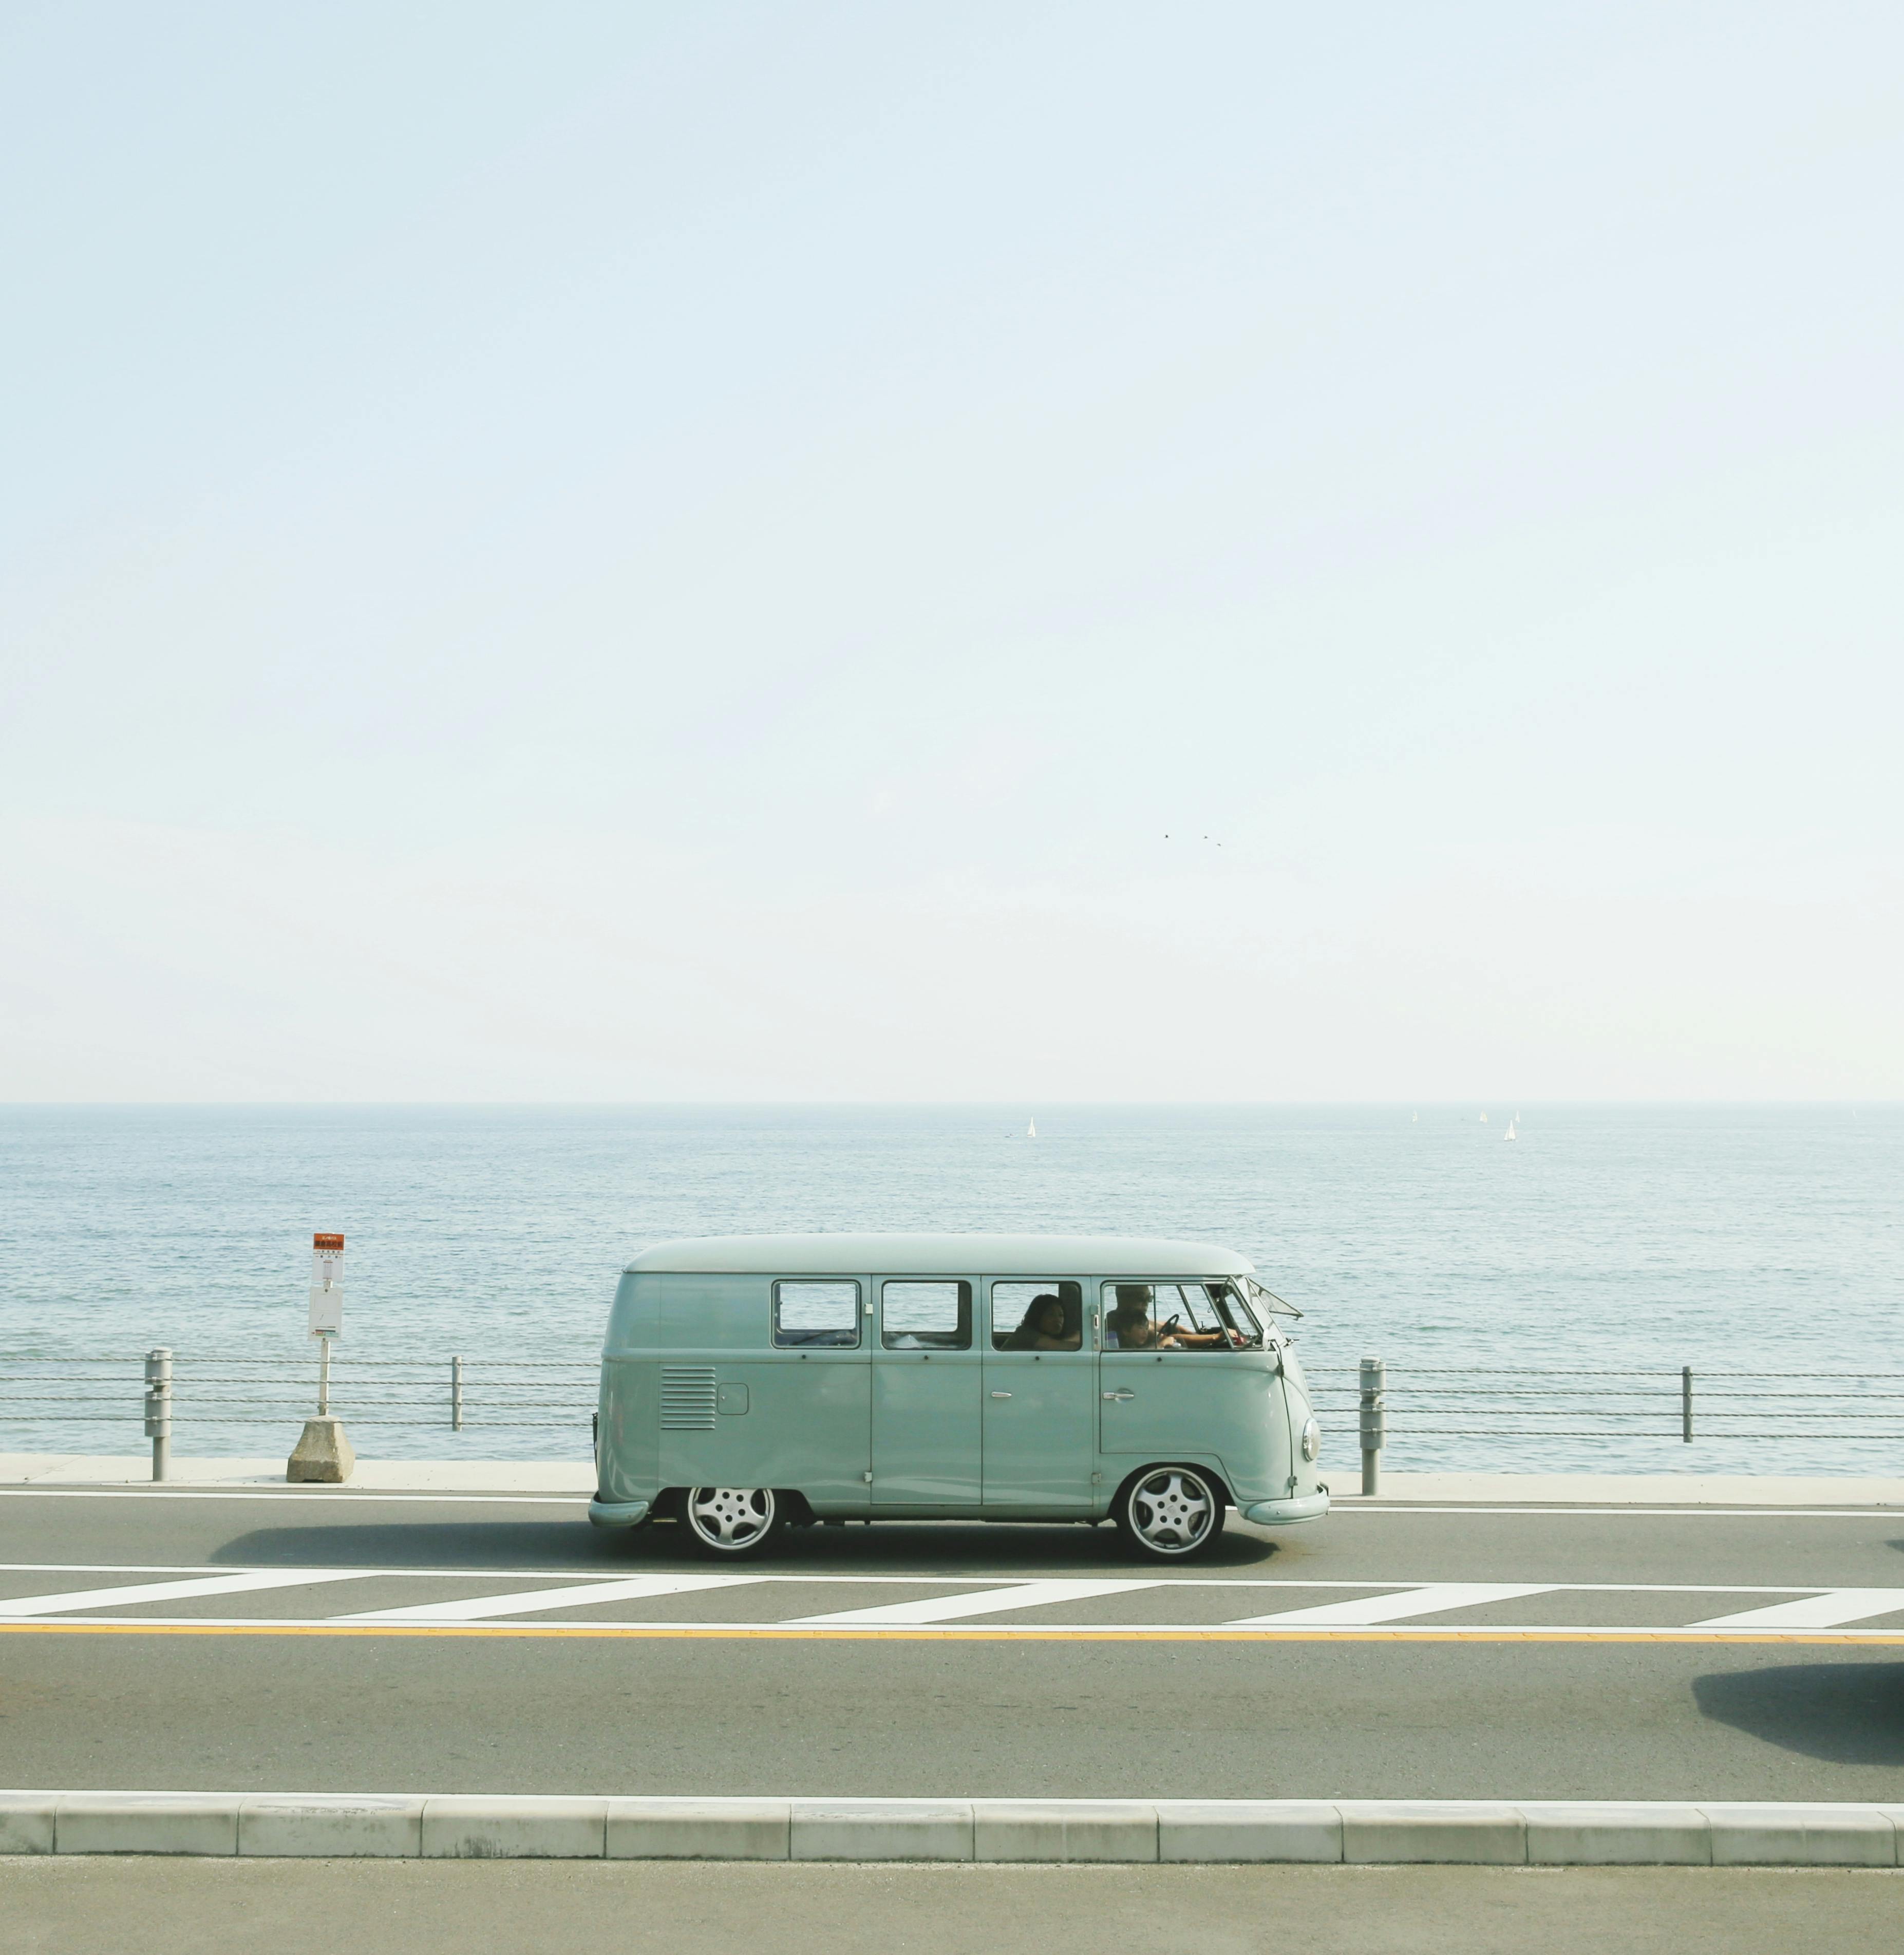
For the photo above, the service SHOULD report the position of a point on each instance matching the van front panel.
(1185, 1392)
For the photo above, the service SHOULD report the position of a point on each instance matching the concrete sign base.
(322, 1454)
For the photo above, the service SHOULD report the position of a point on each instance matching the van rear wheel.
(1170, 1513)
(731, 1522)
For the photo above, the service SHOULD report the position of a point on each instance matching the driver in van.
(1129, 1323)
(1043, 1327)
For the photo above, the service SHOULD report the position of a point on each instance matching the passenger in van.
(1131, 1328)
(1044, 1328)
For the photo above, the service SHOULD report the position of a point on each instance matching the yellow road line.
(741, 1633)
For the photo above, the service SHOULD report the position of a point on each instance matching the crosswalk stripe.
(1773, 1611)
(950, 1608)
(478, 1608)
(1813, 1612)
(169, 1591)
(1396, 1608)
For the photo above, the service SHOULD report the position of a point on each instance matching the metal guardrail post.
(1686, 1403)
(159, 1410)
(456, 1394)
(1374, 1422)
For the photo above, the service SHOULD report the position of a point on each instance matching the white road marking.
(479, 1608)
(949, 1608)
(1780, 1610)
(1815, 1612)
(857, 1578)
(168, 1592)
(1267, 1631)
(1396, 1608)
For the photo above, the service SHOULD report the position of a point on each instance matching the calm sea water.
(1604, 1238)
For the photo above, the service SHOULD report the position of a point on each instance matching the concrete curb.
(1356, 1832)
(565, 1480)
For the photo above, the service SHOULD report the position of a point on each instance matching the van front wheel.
(731, 1522)
(1170, 1513)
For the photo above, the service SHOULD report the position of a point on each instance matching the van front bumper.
(1286, 1513)
(617, 1513)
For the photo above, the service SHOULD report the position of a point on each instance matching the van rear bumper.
(1286, 1513)
(617, 1513)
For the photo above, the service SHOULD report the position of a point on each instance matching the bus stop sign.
(326, 1286)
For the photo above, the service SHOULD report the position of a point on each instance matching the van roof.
(941, 1255)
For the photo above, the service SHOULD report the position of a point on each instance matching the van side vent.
(688, 1398)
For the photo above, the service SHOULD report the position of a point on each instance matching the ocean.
(1603, 1240)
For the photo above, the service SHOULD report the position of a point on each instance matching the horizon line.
(1438, 1102)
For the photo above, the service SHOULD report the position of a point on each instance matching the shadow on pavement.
(897, 1547)
(1849, 1713)
(476, 1544)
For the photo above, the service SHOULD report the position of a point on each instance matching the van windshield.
(1179, 1317)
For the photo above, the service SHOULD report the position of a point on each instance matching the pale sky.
(565, 551)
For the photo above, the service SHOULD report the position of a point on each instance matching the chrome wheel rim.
(1171, 1511)
(730, 1517)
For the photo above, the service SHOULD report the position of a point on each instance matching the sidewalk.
(1618, 1490)
(488, 1476)
(576, 1477)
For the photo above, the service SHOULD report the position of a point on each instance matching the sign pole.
(323, 1454)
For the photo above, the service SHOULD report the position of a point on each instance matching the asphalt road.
(1559, 1690)
(412, 1907)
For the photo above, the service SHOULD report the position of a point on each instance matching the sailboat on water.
(1510, 1134)
(1031, 1131)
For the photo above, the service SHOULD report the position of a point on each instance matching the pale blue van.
(751, 1383)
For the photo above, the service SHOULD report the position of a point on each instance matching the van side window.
(816, 1315)
(926, 1316)
(1045, 1316)
(1178, 1316)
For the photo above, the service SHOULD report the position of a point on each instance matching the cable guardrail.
(1622, 1405)
(1499, 1405)
(214, 1393)
(1686, 1405)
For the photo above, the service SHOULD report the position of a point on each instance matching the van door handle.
(1001, 1395)
(1120, 1394)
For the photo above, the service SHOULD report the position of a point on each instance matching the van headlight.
(1311, 1439)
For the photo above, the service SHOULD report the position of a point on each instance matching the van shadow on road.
(896, 1547)
(478, 1545)
(1848, 1713)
